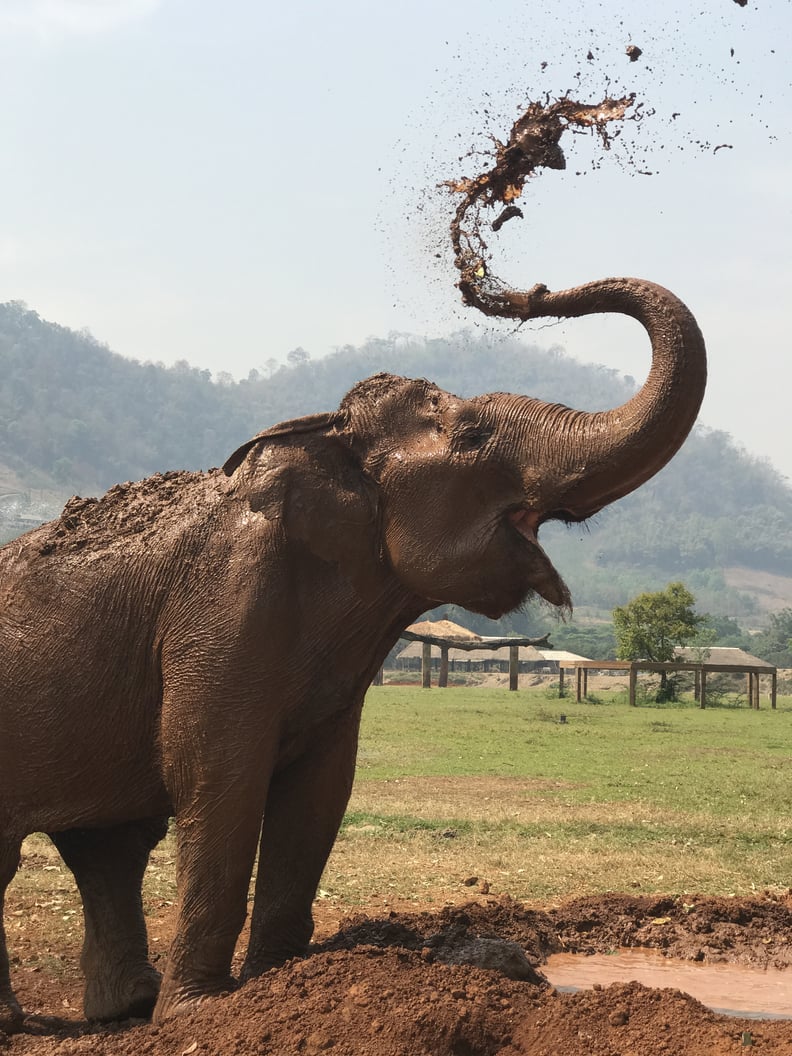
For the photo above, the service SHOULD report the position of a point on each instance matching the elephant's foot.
(175, 1000)
(128, 997)
(276, 939)
(264, 960)
(11, 1014)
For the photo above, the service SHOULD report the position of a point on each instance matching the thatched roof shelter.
(526, 653)
(463, 639)
(724, 656)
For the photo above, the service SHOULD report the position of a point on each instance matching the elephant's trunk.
(607, 454)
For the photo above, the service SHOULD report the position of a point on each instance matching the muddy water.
(730, 988)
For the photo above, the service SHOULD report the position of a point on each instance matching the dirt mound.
(713, 930)
(389, 986)
(631, 1020)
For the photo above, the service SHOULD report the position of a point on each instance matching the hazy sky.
(222, 182)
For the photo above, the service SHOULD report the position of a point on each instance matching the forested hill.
(75, 417)
(74, 413)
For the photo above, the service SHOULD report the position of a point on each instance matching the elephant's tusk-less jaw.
(527, 523)
(545, 579)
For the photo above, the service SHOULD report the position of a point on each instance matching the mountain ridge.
(77, 417)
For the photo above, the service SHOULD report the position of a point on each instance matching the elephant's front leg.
(217, 828)
(305, 807)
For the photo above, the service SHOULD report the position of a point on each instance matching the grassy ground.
(459, 783)
(462, 783)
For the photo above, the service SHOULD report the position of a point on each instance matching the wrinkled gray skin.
(199, 645)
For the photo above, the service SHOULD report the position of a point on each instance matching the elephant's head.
(462, 486)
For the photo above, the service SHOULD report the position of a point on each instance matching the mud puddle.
(732, 989)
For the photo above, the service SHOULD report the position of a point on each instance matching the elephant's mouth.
(543, 577)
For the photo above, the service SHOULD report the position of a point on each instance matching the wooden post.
(585, 682)
(560, 681)
(442, 679)
(703, 699)
(514, 666)
(579, 676)
(426, 666)
(633, 683)
(697, 683)
(773, 688)
(749, 688)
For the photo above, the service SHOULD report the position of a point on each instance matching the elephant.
(198, 645)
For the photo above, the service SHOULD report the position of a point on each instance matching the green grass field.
(461, 783)
(464, 782)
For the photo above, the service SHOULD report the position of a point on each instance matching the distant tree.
(63, 471)
(297, 357)
(701, 645)
(774, 643)
(728, 632)
(654, 624)
(595, 641)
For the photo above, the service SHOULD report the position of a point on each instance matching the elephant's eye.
(472, 438)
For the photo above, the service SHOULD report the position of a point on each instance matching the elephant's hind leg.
(108, 865)
(10, 1012)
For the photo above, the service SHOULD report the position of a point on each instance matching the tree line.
(75, 417)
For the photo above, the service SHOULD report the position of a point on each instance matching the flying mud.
(534, 143)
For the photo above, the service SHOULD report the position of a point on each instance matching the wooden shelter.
(446, 636)
(700, 662)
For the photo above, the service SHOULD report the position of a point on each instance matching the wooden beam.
(673, 665)
(472, 644)
(514, 666)
(442, 678)
(426, 666)
(773, 689)
(605, 665)
(560, 681)
(633, 683)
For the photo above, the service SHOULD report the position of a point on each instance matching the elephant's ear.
(313, 423)
(331, 506)
(319, 492)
